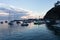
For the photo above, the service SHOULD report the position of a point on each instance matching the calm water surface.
(31, 32)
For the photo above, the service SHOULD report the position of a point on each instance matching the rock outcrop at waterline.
(53, 13)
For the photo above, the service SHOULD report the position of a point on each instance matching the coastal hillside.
(53, 13)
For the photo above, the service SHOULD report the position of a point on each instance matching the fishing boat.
(24, 24)
(38, 22)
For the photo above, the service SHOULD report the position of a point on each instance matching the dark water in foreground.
(31, 32)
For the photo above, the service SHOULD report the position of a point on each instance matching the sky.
(38, 7)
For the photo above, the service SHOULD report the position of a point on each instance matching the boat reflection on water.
(30, 32)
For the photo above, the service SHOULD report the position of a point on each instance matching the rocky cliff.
(53, 13)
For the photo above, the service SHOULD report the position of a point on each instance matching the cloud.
(2, 4)
(6, 10)
(12, 11)
(4, 14)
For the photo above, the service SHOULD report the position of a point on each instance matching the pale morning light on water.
(29, 19)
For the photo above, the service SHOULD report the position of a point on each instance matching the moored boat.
(24, 24)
